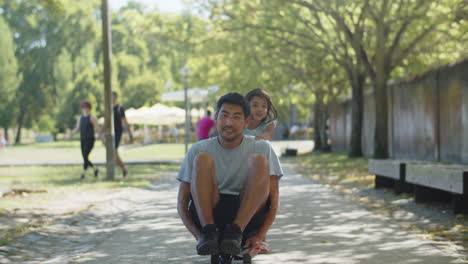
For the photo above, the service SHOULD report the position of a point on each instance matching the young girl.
(263, 115)
(262, 123)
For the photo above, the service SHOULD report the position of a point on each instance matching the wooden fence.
(428, 117)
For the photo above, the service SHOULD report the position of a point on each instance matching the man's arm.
(182, 209)
(270, 217)
(124, 120)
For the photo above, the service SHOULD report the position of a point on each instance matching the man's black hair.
(208, 112)
(235, 99)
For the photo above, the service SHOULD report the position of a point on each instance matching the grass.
(336, 168)
(62, 184)
(63, 151)
(61, 181)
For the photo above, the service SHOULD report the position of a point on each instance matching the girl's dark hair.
(85, 103)
(272, 114)
(233, 98)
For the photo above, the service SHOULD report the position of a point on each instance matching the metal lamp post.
(185, 72)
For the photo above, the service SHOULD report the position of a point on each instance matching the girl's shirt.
(260, 129)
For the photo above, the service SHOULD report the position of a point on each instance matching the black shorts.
(117, 138)
(225, 212)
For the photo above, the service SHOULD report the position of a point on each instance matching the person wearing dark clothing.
(120, 122)
(87, 125)
(119, 113)
(87, 139)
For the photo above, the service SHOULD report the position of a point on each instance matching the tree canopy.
(310, 53)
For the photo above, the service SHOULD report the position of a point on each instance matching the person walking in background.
(87, 124)
(206, 126)
(2, 141)
(119, 122)
(263, 115)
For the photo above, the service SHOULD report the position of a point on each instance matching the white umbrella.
(195, 95)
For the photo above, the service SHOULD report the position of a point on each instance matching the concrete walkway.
(314, 226)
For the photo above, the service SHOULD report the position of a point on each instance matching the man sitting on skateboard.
(229, 184)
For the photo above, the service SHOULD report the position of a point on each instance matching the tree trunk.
(357, 115)
(318, 115)
(323, 129)
(381, 121)
(381, 103)
(20, 125)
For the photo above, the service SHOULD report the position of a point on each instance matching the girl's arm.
(269, 132)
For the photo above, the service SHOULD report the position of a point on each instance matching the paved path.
(314, 226)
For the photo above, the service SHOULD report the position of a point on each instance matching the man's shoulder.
(204, 145)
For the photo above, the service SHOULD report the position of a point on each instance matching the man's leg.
(255, 191)
(253, 197)
(118, 160)
(204, 188)
(205, 196)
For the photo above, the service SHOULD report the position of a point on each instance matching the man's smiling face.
(230, 122)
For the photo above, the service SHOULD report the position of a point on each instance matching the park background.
(363, 78)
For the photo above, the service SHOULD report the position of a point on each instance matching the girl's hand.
(257, 245)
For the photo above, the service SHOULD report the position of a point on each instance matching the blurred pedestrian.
(206, 126)
(87, 124)
(120, 122)
(2, 141)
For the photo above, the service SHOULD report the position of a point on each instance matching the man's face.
(230, 122)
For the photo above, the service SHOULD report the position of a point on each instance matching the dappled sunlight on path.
(317, 226)
(314, 226)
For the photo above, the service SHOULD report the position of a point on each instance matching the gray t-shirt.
(260, 129)
(230, 164)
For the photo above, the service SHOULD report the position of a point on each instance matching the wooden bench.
(437, 182)
(390, 174)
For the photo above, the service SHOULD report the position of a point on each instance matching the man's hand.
(260, 137)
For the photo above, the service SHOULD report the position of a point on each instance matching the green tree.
(9, 76)
(385, 35)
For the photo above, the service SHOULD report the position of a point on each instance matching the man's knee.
(203, 159)
(258, 161)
